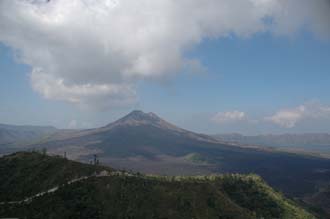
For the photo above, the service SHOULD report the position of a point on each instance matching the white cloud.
(232, 116)
(86, 95)
(93, 52)
(288, 118)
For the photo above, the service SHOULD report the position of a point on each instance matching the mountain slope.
(144, 142)
(145, 129)
(138, 133)
(139, 196)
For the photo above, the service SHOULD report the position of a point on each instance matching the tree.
(96, 161)
(44, 151)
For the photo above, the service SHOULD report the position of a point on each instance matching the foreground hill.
(121, 195)
(26, 173)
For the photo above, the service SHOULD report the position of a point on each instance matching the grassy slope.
(24, 174)
(226, 196)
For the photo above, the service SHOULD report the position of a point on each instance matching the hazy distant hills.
(11, 134)
(313, 142)
(284, 140)
(106, 193)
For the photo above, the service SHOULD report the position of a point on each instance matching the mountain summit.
(139, 115)
(140, 118)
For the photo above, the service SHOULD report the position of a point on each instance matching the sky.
(216, 66)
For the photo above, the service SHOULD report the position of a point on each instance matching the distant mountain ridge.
(281, 140)
(13, 134)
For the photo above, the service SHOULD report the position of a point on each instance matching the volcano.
(147, 143)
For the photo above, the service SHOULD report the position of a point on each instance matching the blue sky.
(259, 75)
(252, 83)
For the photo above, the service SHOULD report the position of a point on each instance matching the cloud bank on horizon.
(286, 118)
(93, 52)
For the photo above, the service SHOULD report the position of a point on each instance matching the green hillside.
(24, 174)
(123, 195)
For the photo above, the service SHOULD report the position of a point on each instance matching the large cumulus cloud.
(93, 52)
